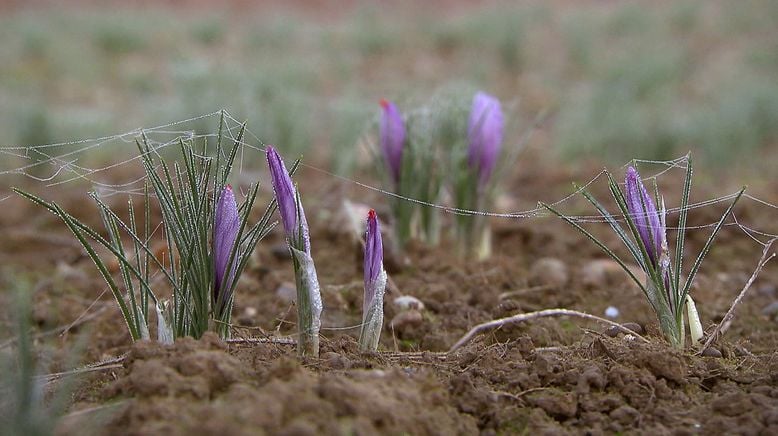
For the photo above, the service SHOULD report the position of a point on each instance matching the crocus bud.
(309, 305)
(292, 214)
(644, 214)
(225, 231)
(374, 256)
(375, 284)
(485, 132)
(392, 138)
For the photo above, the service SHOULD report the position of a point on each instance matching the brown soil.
(548, 376)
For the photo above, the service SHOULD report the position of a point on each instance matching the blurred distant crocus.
(392, 137)
(647, 219)
(225, 232)
(293, 220)
(485, 133)
(375, 285)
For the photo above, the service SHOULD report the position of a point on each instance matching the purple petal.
(293, 220)
(485, 133)
(392, 138)
(226, 226)
(648, 221)
(374, 256)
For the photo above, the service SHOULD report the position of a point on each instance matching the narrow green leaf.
(706, 247)
(597, 242)
(681, 235)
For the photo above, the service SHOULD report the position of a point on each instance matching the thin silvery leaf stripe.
(373, 317)
(312, 295)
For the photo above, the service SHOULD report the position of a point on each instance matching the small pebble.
(549, 271)
(767, 289)
(771, 309)
(409, 318)
(711, 352)
(602, 273)
(408, 302)
(287, 292)
(349, 220)
(614, 331)
(336, 361)
(612, 312)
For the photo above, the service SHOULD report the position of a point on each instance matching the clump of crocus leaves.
(413, 170)
(309, 304)
(375, 285)
(645, 237)
(474, 187)
(452, 145)
(208, 236)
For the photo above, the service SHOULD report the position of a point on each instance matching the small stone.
(602, 273)
(710, 352)
(67, 272)
(614, 331)
(406, 319)
(408, 302)
(771, 309)
(287, 292)
(250, 312)
(767, 289)
(549, 271)
(281, 251)
(349, 220)
(635, 327)
(336, 361)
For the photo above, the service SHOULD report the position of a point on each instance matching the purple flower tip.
(485, 133)
(374, 248)
(647, 220)
(374, 256)
(295, 225)
(392, 138)
(226, 226)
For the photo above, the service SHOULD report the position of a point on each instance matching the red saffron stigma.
(384, 104)
(371, 214)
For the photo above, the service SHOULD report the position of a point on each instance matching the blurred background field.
(619, 80)
(614, 81)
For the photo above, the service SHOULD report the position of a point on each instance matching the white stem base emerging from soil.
(309, 305)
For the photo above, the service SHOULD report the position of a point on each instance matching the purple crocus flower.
(292, 218)
(649, 222)
(392, 138)
(485, 132)
(225, 232)
(374, 257)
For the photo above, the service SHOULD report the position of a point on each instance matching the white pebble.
(611, 312)
(407, 302)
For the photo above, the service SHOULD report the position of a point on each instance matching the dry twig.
(522, 317)
(723, 326)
